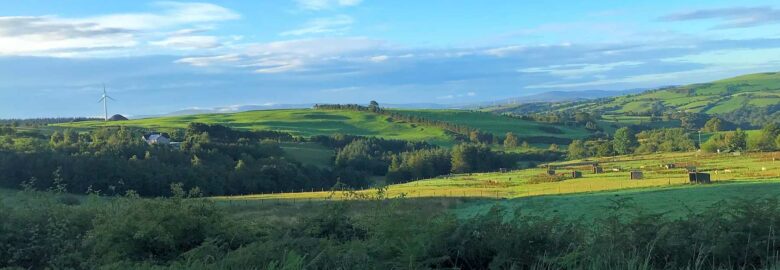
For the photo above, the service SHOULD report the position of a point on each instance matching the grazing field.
(718, 97)
(674, 201)
(723, 96)
(300, 122)
(725, 168)
(307, 122)
(498, 124)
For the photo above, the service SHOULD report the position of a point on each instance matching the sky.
(157, 57)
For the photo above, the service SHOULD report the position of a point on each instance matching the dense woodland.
(223, 161)
(213, 158)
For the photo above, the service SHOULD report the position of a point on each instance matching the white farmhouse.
(156, 138)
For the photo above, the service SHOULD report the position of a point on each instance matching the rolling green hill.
(301, 122)
(309, 122)
(756, 95)
(499, 124)
(723, 96)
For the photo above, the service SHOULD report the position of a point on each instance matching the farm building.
(597, 169)
(576, 174)
(156, 138)
(636, 175)
(550, 171)
(117, 117)
(699, 178)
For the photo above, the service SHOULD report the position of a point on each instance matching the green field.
(300, 122)
(718, 97)
(677, 200)
(498, 124)
(723, 96)
(724, 168)
(672, 201)
(307, 122)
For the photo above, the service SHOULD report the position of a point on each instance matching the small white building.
(156, 138)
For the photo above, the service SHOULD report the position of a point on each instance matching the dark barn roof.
(117, 117)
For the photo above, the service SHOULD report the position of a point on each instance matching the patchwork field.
(307, 122)
(717, 97)
(498, 124)
(301, 122)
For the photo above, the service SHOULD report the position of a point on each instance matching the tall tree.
(766, 140)
(576, 150)
(510, 141)
(624, 141)
(713, 125)
(736, 141)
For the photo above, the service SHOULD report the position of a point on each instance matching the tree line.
(627, 141)
(461, 133)
(31, 122)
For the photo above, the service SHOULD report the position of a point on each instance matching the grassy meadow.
(718, 97)
(308, 122)
(300, 122)
(498, 124)
(724, 168)
(722, 96)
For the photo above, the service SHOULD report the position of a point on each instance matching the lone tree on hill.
(373, 106)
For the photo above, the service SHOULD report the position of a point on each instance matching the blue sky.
(157, 57)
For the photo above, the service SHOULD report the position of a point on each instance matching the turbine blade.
(111, 98)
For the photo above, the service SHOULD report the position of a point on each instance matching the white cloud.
(329, 25)
(340, 89)
(210, 60)
(461, 95)
(172, 14)
(111, 34)
(326, 4)
(291, 55)
(379, 58)
(189, 42)
(506, 50)
(735, 17)
(716, 65)
(578, 70)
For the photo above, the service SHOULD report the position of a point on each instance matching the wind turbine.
(105, 99)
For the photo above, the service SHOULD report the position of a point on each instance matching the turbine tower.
(105, 99)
